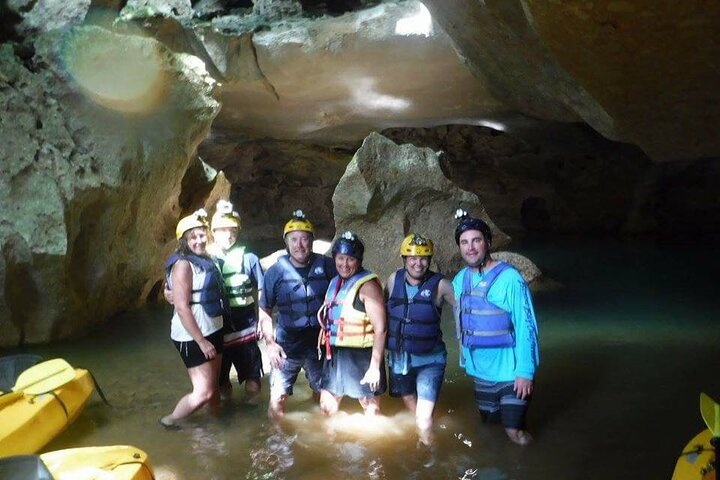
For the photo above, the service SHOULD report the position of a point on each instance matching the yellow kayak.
(28, 421)
(102, 463)
(696, 459)
(91, 463)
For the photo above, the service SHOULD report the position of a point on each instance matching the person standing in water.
(497, 328)
(199, 305)
(243, 277)
(353, 337)
(296, 285)
(417, 356)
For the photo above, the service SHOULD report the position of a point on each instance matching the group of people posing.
(337, 322)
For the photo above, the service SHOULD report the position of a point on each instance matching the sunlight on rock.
(490, 124)
(418, 24)
(365, 96)
(123, 73)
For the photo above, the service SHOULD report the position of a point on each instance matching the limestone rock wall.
(642, 72)
(270, 179)
(90, 194)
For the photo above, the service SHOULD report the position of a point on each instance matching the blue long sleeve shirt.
(504, 364)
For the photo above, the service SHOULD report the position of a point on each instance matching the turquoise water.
(626, 347)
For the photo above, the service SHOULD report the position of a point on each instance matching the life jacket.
(483, 324)
(238, 287)
(344, 325)
(299, 300)
(212, 294)
(413, 323)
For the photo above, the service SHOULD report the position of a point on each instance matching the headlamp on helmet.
(415, 245)
(225, 216)
(298, 222)
(196, 219)
(349, 244)
(467, 222)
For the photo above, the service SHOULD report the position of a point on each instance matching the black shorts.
(247, 360)
(190, 351)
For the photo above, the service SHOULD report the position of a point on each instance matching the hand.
(208, 349)
(372, 378)
(523, 387)
(276, 354)
(168, 294)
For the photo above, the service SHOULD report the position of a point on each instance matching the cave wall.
(641, 72)
(90, 194)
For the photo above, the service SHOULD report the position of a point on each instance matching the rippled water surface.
(626, 347)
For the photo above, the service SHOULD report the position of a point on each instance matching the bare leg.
(276, 407)
(252, 389)
(521, 437)
(410, 402)
(329, 403)
(226, 391)
(205, 390)
(424, 421)
(371, 405)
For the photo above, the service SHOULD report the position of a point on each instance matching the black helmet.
(349, 244)
(469, 223)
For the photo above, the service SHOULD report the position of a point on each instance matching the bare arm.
(275, 351)
(182, 294)
(372, 297)
(389, 285)
(445, 293)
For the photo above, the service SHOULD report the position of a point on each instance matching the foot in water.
(426, 454)
(168, 422)
(521, 437)
(226, 392)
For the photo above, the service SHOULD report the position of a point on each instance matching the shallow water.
(626, 348)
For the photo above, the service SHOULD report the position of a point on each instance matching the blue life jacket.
(414, 323)
(299, 300)
(482, 323)
(212, 294)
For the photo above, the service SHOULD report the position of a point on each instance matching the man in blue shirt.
(497, 327)
(296, 285)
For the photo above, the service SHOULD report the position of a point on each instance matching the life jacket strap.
(486, 333)
(472, 311)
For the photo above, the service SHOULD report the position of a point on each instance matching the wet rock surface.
(90, 194)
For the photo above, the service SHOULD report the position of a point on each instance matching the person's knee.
(204, 395)
(252, 385)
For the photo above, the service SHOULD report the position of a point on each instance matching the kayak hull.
(118, 462)
(694, 462)
(29, 422)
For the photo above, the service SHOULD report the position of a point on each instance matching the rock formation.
(390, 190)
(90, 194)
(639, 72)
